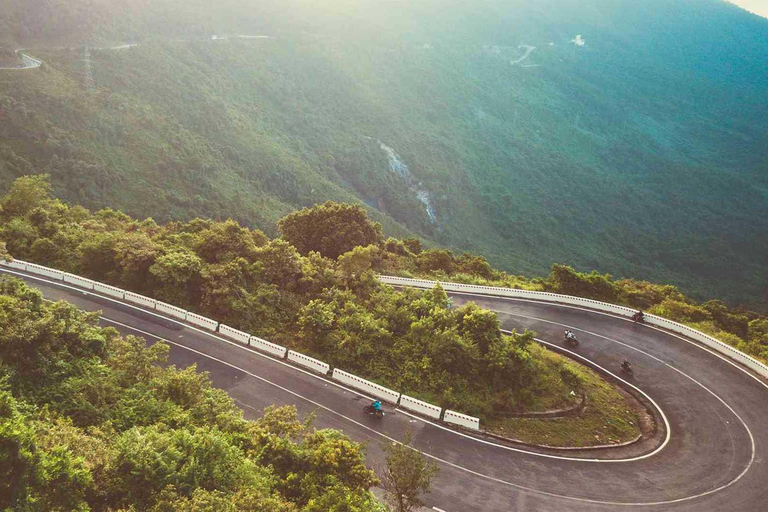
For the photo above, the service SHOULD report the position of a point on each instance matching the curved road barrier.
(234, 334)
(79, 281)
(171, 310)
(109, 290)
(141, 300)
(18, 265)
(40, 270)
(268, 347)
(709, 341)
(418, 406)
(199, 320)
(461, 419)
(372, 388)
(309, 362)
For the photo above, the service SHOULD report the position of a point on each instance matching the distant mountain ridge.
(630, 140)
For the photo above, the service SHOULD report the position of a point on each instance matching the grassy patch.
(610, 417)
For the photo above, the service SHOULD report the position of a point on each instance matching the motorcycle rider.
(626, 366)
(376, 405)
(639, 316)
(569, 336)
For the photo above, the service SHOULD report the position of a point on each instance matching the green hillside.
(90, 420)
(638, 148)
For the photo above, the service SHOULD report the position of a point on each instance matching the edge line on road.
(456, 466)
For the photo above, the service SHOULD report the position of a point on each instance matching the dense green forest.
(334, 309)
(90, 420)
(324, 299)
(637, 148)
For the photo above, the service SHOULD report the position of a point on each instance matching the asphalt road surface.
(713, 460)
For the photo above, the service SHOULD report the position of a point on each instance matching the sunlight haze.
(756, 6)
(384, 255)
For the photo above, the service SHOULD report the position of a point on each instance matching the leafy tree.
(26, 194)
(408, 475)
(414, 245)
(280, 264)
(331, 229)
(436, 260)
(19, 235)
(90, 421)
(135, 254)
(32, 477)
(98, 256)
(758, 331)
(358, 261)
(475, 265)
(563, 279)
(480, 325)
(224, 242)
(178, 274)
(727, 320)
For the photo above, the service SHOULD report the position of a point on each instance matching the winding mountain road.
(27, 61)
(713, 459)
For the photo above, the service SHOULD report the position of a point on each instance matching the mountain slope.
(622, 137)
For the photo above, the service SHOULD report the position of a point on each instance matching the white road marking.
(445, 462)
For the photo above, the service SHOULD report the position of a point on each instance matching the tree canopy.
(330, 229)
(335, 309)
(90, 421)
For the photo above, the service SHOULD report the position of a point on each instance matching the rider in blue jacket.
(376, 405)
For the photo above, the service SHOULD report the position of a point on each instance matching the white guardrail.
(365, 385)
(199, 320)
(705, 339)
(268, 347)
(79, 281)
(404, 401)
(18, 265)
(412, 404)
(461, 419)
(309, 362)
(234, 334)
(44, 271)
(109, 290)
(171, 310)
(141, 300)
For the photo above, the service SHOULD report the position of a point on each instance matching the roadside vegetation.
(524, 165)
(739, 327)
(608, 418)
(91, 420)
(324, 300)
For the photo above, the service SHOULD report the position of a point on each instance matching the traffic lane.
(683, 401)
(735, 387)
(745, 394)
(707, 368)
(452, 490)
(304, 385)
(528, 470)
(707, 437)
(459, 490)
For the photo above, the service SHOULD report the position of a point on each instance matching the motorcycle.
(572, 341)
(628, 370)
(373, 412)
(638, 318)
